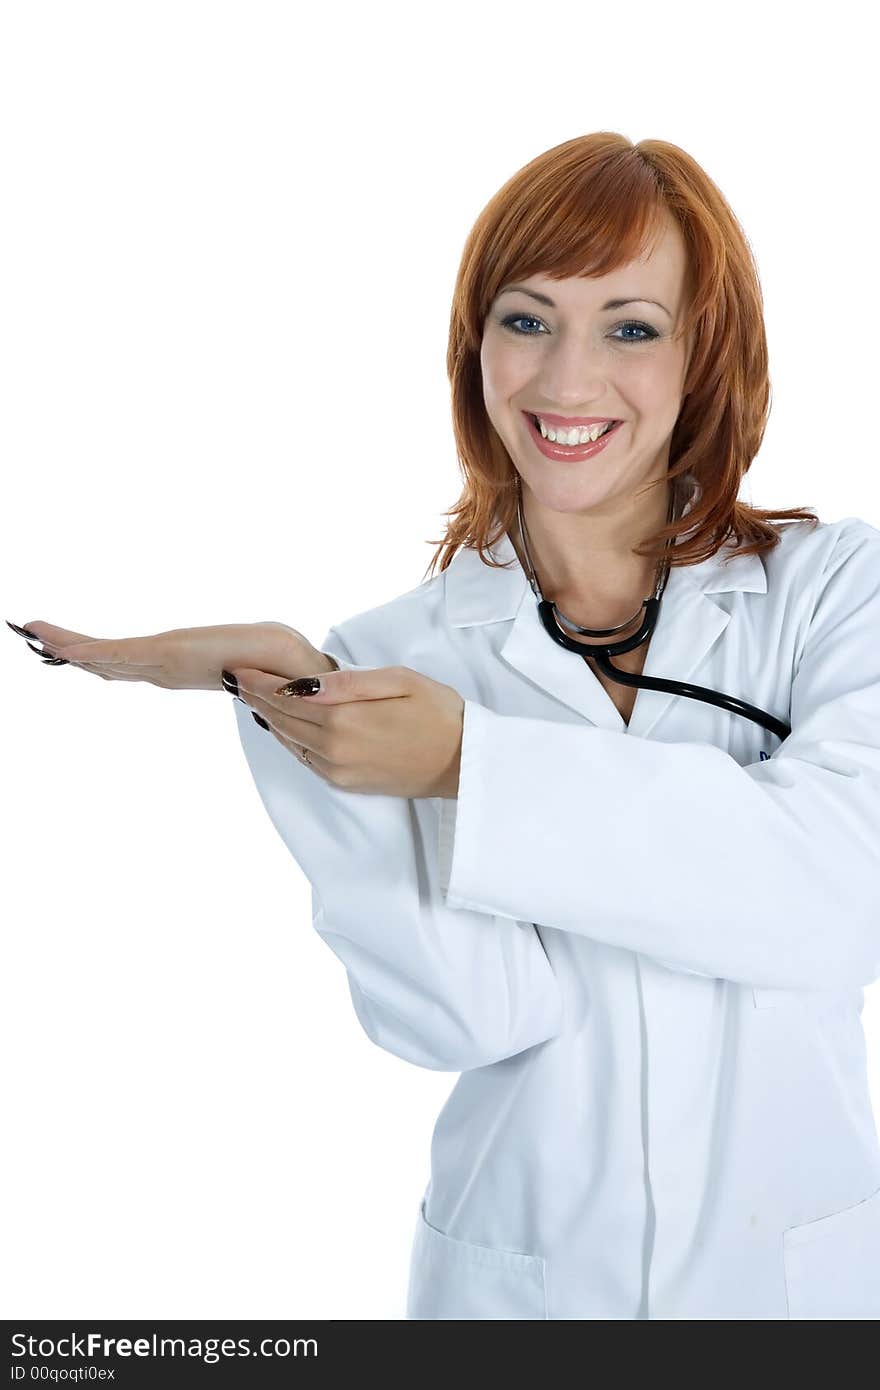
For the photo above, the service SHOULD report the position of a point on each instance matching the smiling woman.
(578, 899)
(639, 940)
(589, 228)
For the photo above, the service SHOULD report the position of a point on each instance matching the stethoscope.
(601, 654)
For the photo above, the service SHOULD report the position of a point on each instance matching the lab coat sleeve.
(442, 989)
(767, 874)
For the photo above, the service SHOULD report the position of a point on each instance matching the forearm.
(443, 989)
(767, 874)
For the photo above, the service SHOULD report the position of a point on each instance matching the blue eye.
(644, 328)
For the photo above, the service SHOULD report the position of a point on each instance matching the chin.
(570, 496)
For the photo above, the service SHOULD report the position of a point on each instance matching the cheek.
(504, 369)
(654, 389)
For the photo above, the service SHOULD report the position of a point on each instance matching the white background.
(221, 224)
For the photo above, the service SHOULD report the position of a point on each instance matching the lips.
(570, 453)
(567, 422)
(558, 424)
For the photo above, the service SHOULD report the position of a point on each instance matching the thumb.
(338, 687)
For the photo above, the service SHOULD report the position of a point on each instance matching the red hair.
(587, 207)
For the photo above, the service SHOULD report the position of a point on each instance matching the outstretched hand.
(183, 658)
(388, 730)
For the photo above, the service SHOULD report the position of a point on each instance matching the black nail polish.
(229, 682)
(47, 656)
(260, 720)
(306, 685)
(22, 631)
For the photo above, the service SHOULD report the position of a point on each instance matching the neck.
(586, 566)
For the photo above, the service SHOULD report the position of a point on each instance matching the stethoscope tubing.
(602, 653)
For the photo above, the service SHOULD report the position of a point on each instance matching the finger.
(54, 639)
(336, 688)
(315, 763)
(49, 632)
(343, 687)
(298, 741)
(91, 652)
(122, 653)
(261, 685)
(303, 733)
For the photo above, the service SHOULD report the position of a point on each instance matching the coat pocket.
(456, 1279)
(832, 1265)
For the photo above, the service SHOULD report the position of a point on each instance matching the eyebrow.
(612, 303)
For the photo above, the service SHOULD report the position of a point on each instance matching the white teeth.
(578, 434)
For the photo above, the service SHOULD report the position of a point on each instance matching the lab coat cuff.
(341, 662)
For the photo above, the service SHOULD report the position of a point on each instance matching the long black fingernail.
(47, 657)
(306, 685)
(229, 682)
(260, 720)
(22, 631)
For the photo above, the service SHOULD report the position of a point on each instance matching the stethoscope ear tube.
(602, 653)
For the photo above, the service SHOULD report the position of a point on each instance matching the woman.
(637, 921)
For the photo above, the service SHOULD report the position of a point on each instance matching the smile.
(572, 453)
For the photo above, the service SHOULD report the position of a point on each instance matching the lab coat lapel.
(689, 624)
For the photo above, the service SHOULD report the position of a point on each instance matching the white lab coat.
(643, 947)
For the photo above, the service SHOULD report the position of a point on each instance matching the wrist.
(296, 654)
